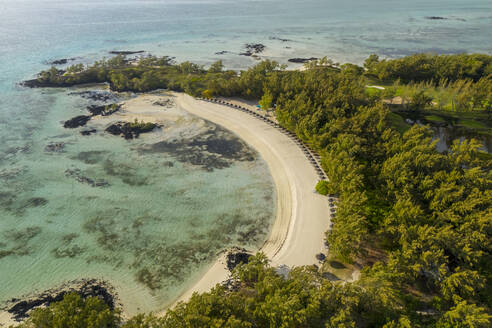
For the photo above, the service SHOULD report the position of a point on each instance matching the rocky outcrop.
(97, 95)
(124, 53)
(62, 61)
(76, 122)
(130, 130)
(82, 120)
(20, 308)
(253, 49)
(235, 257)
(302, 60)
(104, 110)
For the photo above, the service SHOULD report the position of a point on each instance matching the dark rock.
(77, 175)
(88, 132)
(337, 265)
(168, 103)
(130, 130)
(57, 147)
(279, 39)
(232, 284)
(38, 83)
(168, 164)
(35, 202)
(77, 122)
(114, 129)
(223, 52)
(235, 258)
(302, 60)
(283, 270)
(124, 53)
(104, 110)
(321, 257)
(90, 157)
(20, 309)
(253, 49)
(97, 95)
(62, 61)
(330, 276)
(435, 18)
(34, 83)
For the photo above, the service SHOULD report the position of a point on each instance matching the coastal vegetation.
(426, 213)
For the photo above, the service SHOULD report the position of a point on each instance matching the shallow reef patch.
(215, 148)
(90, 157)
(16, 241)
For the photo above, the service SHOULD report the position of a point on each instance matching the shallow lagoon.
(147, 219)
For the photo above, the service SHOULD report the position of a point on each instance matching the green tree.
(74, 312)
(216, 67)
(266, 101)
(465, 315)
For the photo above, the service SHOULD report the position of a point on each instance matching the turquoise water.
(161, 220)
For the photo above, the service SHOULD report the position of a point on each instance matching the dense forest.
(427, 214)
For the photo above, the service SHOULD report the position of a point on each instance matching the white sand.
(302, 215)
(6, 320)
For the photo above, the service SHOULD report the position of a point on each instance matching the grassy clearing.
(435, 118)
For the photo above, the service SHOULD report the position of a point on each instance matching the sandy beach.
(302, 215)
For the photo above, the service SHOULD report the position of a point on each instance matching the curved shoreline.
(302, 215)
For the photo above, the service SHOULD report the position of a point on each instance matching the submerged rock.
(61, 61)
(90, 157)
(35, 202)
(435, 18)
(77, 174)
(279, 39)
(208, 151)
(77, 121)
(56, 147)
(88, 132)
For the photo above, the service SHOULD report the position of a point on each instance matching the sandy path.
(302, 215)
